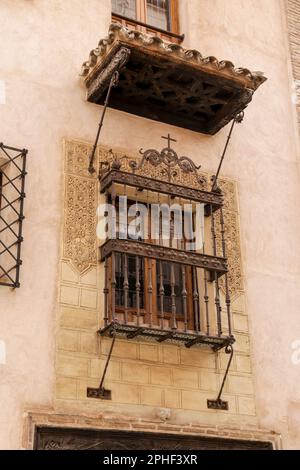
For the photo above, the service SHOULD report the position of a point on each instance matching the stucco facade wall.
(293, 22)
(43, 45)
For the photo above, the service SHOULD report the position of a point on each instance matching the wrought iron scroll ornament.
(167, 158)
(12, 195)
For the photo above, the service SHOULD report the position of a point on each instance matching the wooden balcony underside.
(167, 83)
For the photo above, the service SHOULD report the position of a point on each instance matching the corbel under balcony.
(164, 82)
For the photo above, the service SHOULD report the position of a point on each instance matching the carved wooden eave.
(163, 81)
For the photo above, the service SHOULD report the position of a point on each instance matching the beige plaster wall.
(42, 46)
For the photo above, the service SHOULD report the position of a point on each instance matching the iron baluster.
(161, 294)
(113, 286)
(184, 297)
(105, 292)
(196, 300)
(206, 301)
(173, 299)
(217, 287)
(227, 293)
(137, 289)
(150, 292)
(126, 288)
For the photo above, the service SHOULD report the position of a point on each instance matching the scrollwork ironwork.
(167, 158)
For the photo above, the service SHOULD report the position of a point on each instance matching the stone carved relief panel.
(232, 238)
(80, 205)
(81, 196)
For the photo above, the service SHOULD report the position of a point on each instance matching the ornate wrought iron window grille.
(12, 195)
(201, 319)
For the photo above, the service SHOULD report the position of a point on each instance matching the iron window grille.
(12, 195)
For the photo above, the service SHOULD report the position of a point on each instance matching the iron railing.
(167, 294)
(12, 195)
(140, 302)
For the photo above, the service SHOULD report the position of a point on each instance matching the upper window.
(150, 15)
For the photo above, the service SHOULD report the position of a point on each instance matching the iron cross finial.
(169, 139)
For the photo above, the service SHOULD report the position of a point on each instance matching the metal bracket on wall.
(219, 404)
(101, 392)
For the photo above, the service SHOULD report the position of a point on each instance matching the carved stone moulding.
(147, 250)
(167, 83)
(151, 184)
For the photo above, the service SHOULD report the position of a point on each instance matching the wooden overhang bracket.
(101, 392)
(164, 82)
(218, 403)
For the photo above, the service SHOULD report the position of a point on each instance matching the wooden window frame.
(155, 303)
(140, 23)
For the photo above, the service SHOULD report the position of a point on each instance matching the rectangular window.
(136, 273)
(125, 8)
(161, 15)
(158, 14)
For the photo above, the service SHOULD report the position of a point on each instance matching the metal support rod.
(237, 119)
(107, 361)
(219, 404)
(101, 392)
(113, 83)
(228, 350)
